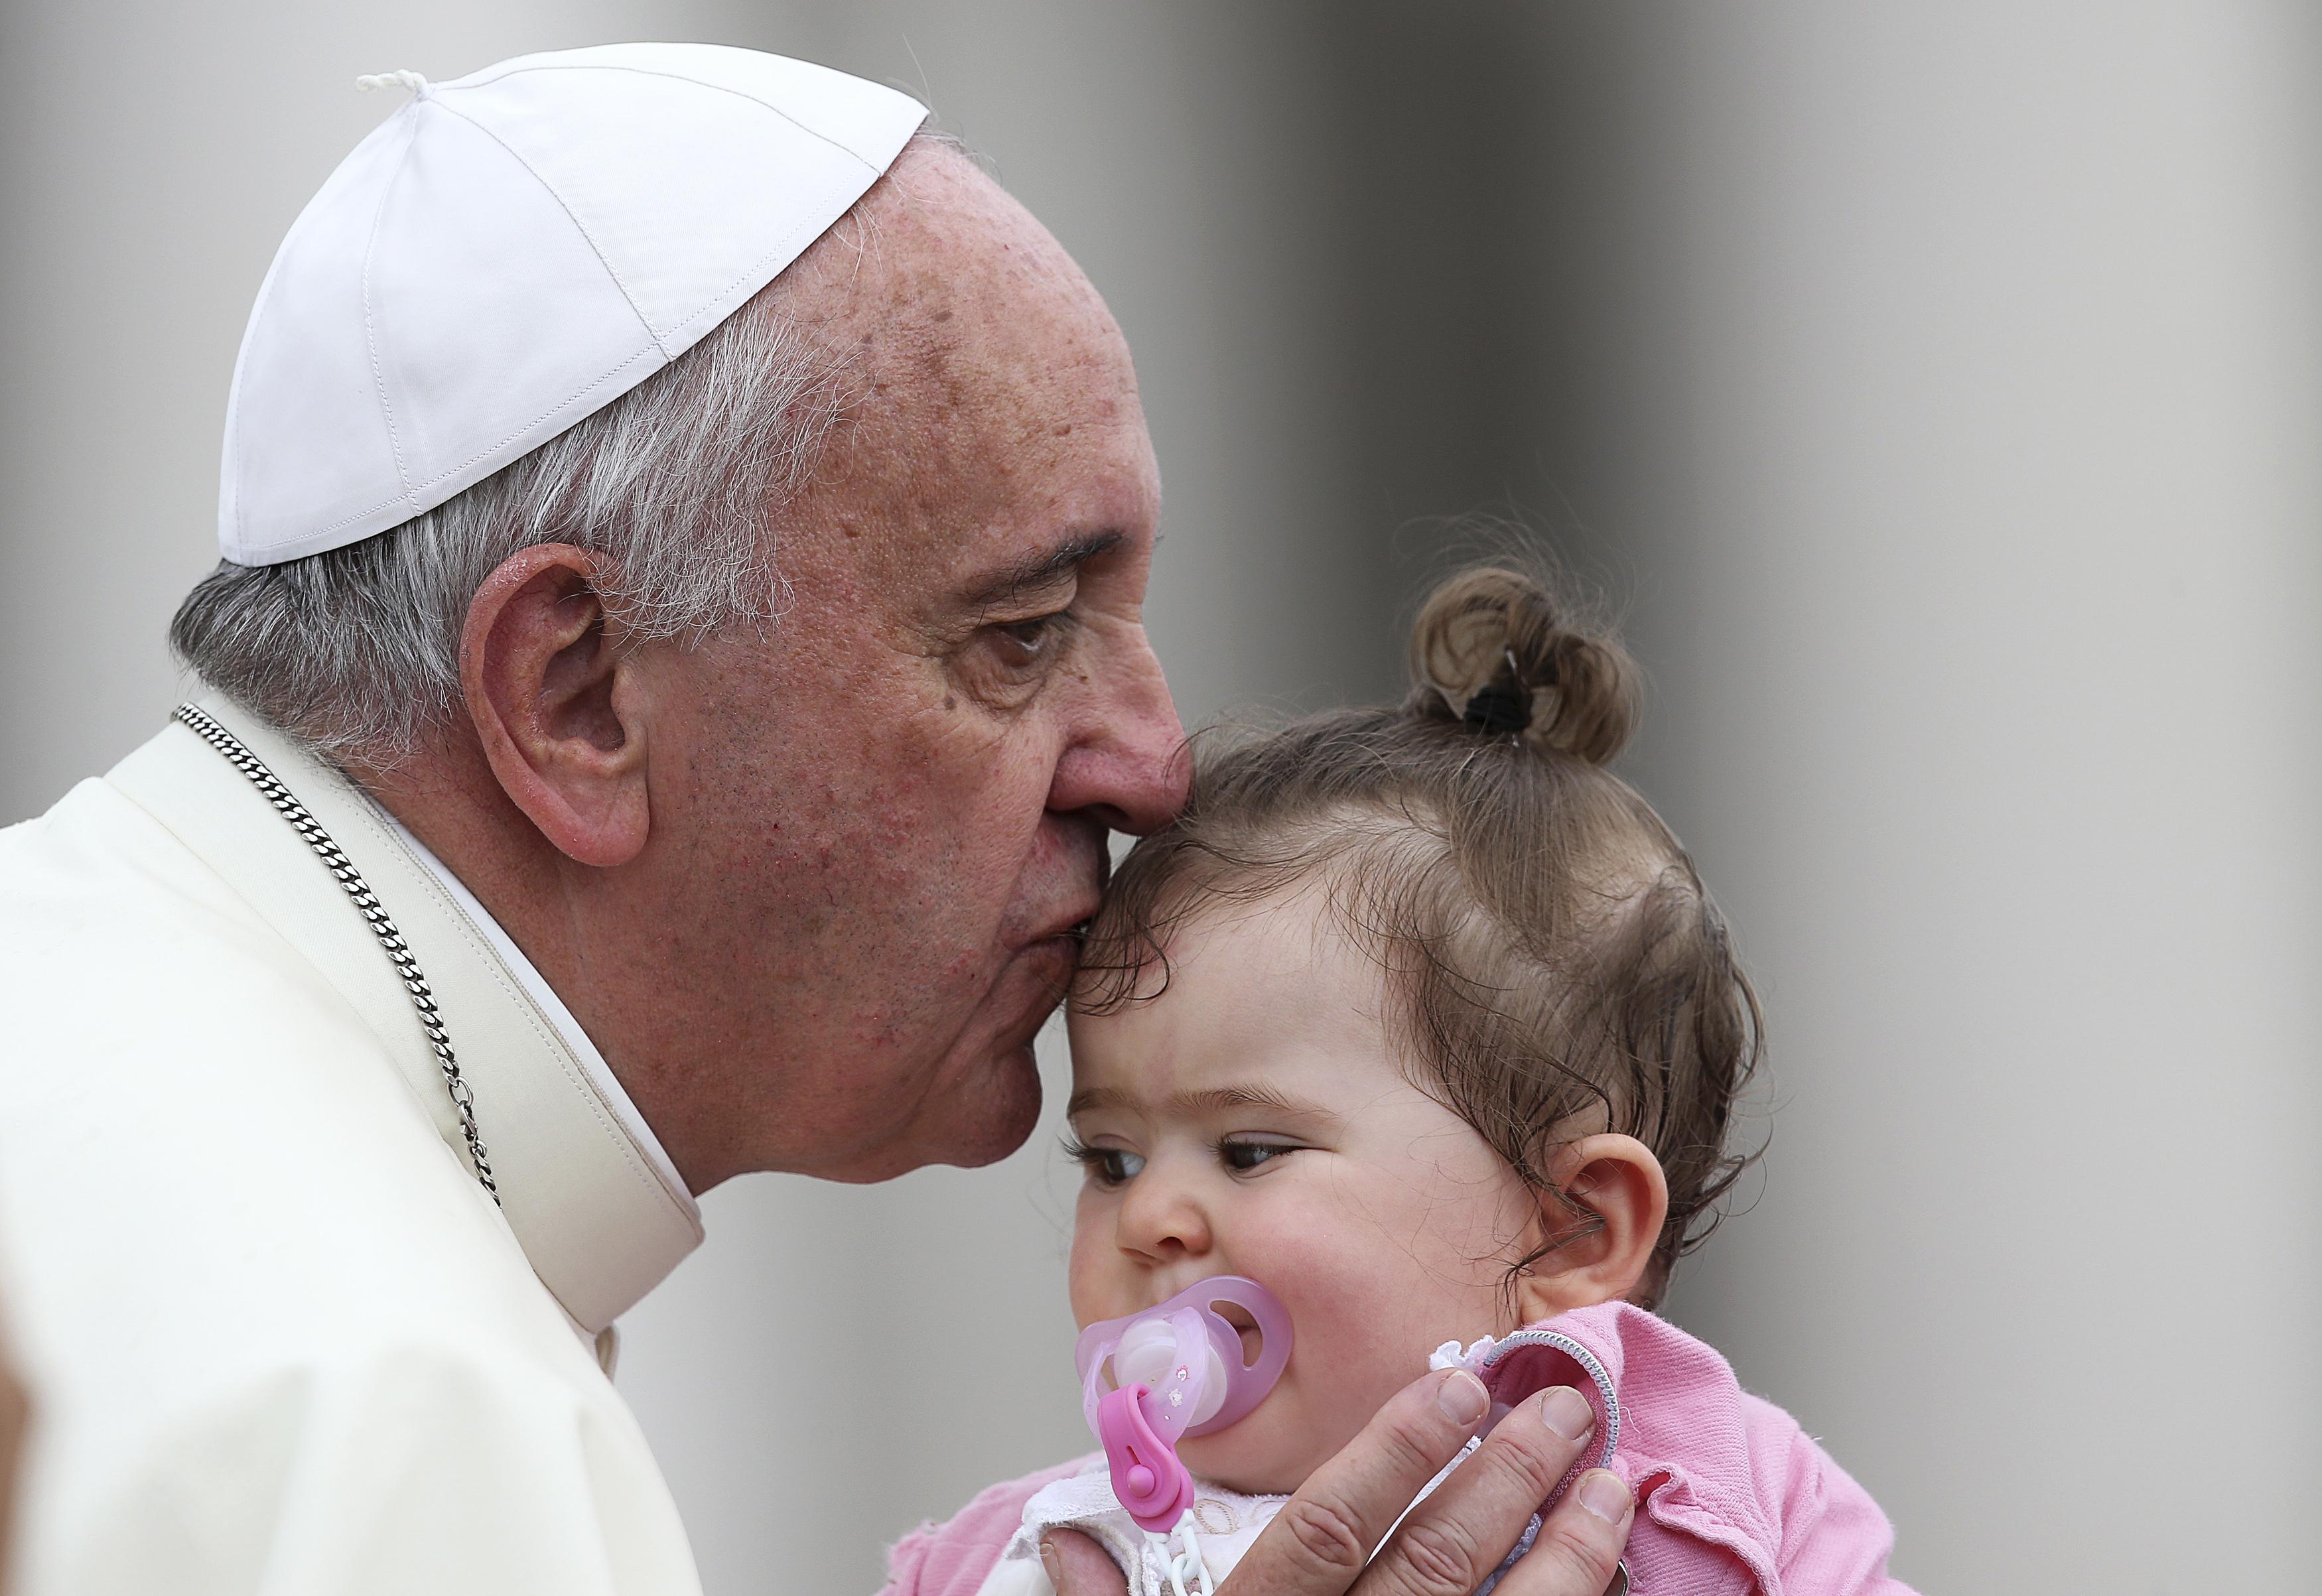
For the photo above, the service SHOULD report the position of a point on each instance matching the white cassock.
(277, 1336)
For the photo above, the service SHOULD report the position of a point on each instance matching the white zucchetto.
(510, 252)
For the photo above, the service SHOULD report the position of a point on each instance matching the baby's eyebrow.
(1098, 1097)
(1217, 1100)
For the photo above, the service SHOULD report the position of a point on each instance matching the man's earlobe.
(1602, 1220)
(558, 703)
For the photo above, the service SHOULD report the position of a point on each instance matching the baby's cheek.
(1096, 1280)
(1349, 1355)
(1268, 1453)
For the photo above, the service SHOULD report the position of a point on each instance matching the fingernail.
(1567, 1412)
(1056, 1569)
(1462, 1398)
(1602, 1494)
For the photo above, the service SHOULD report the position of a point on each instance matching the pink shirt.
(1734, 1497)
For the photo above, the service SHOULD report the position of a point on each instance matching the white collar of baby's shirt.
(1452, 1355)
(1227, 1521)
(1085, 1501)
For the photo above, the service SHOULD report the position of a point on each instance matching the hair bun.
(1491, 650)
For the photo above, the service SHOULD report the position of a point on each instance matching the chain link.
(1187, 1570)
(208, 728)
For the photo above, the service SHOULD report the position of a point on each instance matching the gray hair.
(355, 651)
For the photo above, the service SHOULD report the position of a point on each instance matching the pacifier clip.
(1174, 1371)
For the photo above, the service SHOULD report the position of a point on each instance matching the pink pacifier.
(1150, 1378)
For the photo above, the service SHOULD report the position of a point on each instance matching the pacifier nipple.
(1148, 1356)
(1149, 1379)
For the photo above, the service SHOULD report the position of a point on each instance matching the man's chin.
(997, 1103)
(987, 1100)
(1003, 1119)
(988, 1115)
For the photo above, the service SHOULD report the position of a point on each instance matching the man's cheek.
(955, 740)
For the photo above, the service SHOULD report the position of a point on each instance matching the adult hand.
(1320, 1543)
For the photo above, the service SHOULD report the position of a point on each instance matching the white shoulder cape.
(278, 1336)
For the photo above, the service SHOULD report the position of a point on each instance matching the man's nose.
(1128, 767)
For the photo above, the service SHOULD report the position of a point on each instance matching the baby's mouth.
(1244, 1326)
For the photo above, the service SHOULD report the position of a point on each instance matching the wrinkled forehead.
(940, 279)
(990, 398)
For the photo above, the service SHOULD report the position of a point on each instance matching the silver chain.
(342, 869)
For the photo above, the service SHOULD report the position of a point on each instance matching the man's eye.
(1024, 643)
(1249, 1156)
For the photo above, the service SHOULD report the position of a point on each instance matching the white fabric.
(608, 1085)
(1227, 1522)
(510, 252)
(279, 1337)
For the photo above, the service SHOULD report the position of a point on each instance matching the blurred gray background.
(1935, 384)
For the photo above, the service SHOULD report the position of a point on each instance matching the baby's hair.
(1554, 961)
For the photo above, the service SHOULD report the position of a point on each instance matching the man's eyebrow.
(1040, 570)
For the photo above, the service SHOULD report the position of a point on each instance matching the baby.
(1421, 1020)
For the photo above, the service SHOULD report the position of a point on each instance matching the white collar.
(585, 1189)
(601, 1074)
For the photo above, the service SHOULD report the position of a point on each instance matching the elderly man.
(676, 663)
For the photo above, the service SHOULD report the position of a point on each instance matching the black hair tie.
(1499, 707)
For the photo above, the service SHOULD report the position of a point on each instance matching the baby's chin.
(1259, 1455)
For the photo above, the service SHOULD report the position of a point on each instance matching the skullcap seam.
(814, 132)
(371, 322)
(752, 270)
(547, 415)
(784, 243)
(573, 216)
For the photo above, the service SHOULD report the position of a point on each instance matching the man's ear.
(558, 704)
(1603, 1218)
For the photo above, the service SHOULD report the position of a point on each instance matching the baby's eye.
(1107, 1166)
(1241, 1156)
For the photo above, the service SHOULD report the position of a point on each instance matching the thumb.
(1078, 1567)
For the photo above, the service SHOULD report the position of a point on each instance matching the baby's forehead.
(1229, 955)
(1255, 996)
(1285, 1058)
(1272, 920)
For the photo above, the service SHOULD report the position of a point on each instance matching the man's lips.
(1047, 959)
(1064, 925)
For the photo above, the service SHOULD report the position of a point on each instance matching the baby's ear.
(1602, 1221)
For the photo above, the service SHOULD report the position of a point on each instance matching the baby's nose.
(1165, 1225)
